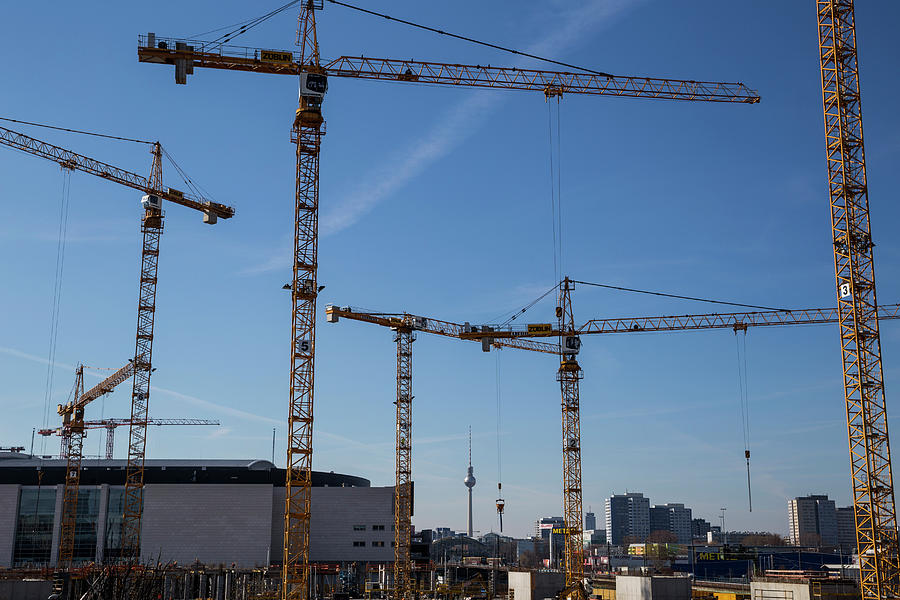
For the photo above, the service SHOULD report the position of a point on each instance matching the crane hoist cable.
(678, 296)
(500, 502)
(553, 204)
(243, 27)
(62, 231)
(744, 395)
(188, 181)
(467, 39)
(516, 313)
(82, 132)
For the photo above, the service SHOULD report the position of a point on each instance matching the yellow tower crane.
(568, 374)
(151, 228)
(110, 425)
(308, 129)
(71, 450)
(854, 270)
(405, 327)
(569, 336)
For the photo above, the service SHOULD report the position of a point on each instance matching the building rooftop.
(25, 469)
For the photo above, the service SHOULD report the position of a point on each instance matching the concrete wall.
(277, 541)
(535, 586)
(770, 588)
(335, 512)
(636, 587)
(778, 590)
(9, 509)
(211, 523)
(25, 590)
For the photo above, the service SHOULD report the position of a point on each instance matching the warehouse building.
(211, 511)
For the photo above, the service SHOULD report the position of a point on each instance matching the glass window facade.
(116, 507)
(34, 526)
(87, 512)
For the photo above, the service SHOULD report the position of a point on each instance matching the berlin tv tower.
(469, 481)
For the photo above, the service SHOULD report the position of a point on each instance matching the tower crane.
(308, 129)
(110, 426)
(568, 374)
(72, 444)
(569, 337)
(872, 479)
(151, 229)
(405, 327)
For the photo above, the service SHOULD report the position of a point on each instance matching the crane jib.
(195, 53)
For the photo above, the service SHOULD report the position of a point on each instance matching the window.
(377, 527)
(115, 507)
(359, 528)
(87, 511)
(359, 544)
(34, 526)
(378, 544)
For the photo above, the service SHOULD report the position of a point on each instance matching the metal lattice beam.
(568, 375)
(403, 585)
(867, 426)
(307, 136)
(151, 228)
(198, 53)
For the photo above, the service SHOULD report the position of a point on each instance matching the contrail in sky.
(456, 125)
(449, 132)
(185, 397)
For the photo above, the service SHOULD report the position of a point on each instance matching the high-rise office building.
(590, 521)
(627, 517)
(659, 519)
(699, 528)
(674, 518)
(846, 526)
(813, 521)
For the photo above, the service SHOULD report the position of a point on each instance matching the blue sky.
(437, 201)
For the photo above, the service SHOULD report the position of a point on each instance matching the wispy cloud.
(235, 412)
(242, 414)
(278, 259)
(451, 130)
(648, 412)
(459, 123)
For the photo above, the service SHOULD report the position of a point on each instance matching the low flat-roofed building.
(211, 511)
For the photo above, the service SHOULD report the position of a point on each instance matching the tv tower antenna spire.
(469, 482)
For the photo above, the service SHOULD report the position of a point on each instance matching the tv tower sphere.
(470, 479)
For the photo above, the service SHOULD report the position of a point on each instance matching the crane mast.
(151, 229)
(867, 424)
(73, 445)
(403, 583)
(307, 136)
(71, 450)
(569, 375)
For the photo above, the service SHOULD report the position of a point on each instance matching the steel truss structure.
(854, 269)
(403, 583)
(307, 136)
